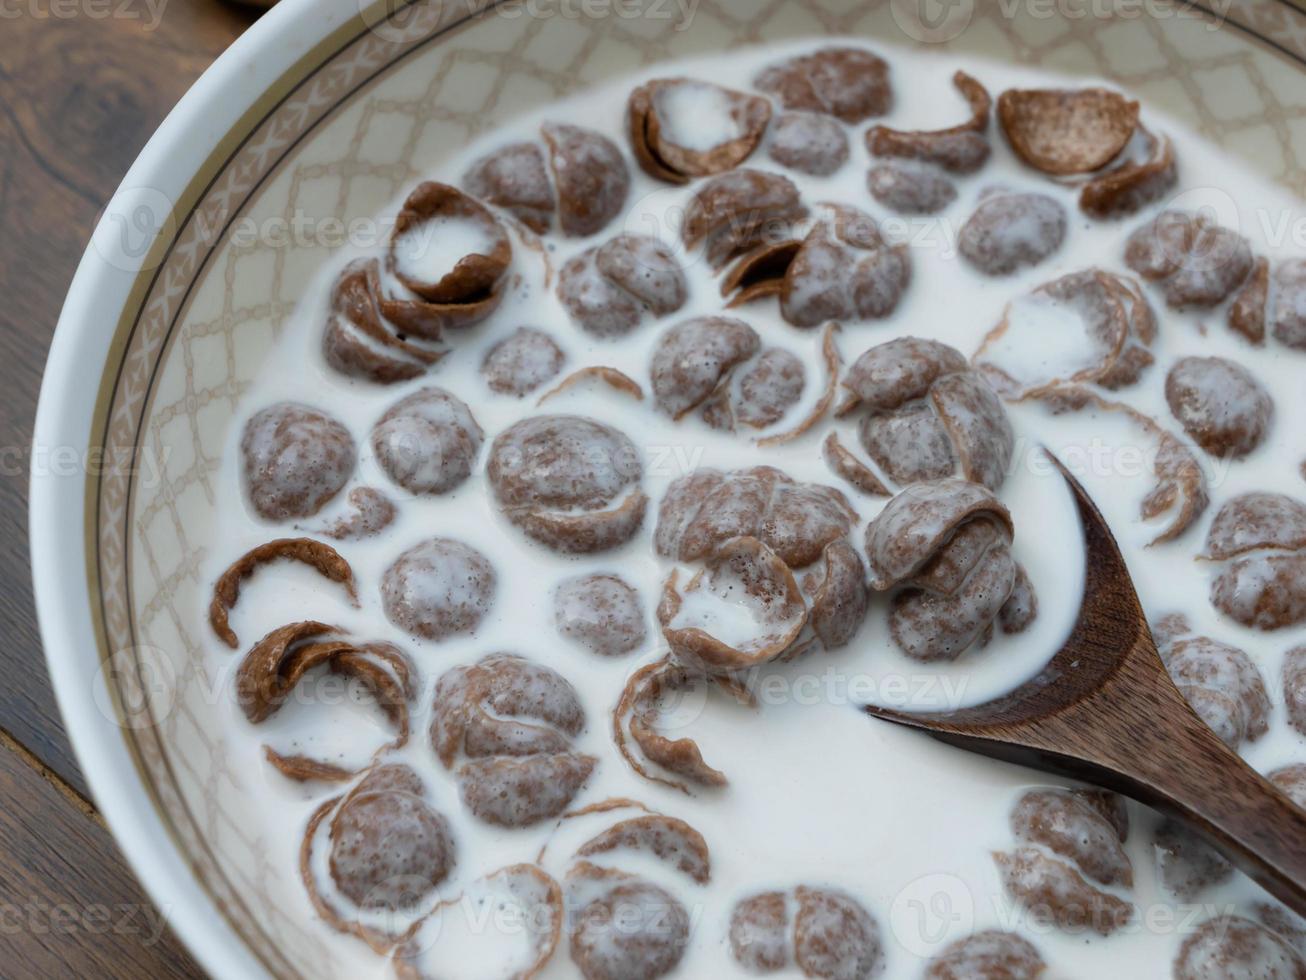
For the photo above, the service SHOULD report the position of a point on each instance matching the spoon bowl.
(1105, 710)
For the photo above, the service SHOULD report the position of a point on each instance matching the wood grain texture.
(79, 97)
(1105, 711)
(68, 905)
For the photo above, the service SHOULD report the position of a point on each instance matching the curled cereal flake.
(834, 936)
(623, 927)
(602, 613)
(280, 660)
(315, 554)
(427, 442)
(1231, 946)
(438, 588)
(741, 210)
(1195, 263)
(809, 143)
(961, 149)
(590, 175)
(636, 720)
(670, 840)
(925, 415)
(682, 128)
(759, 273)
(372, 513)
(358, 342)
(258, 679)
(843, 270)
(1110, 329)
(694, 358)
(945, 546)
(1056, 894)
(703, 511)
(742, 610)
(302, 769)
(1073, 829)
(1220, 404)
(1011, 231)
(839, 603)
(515, 178)
(570, 483)
(294, 459)
(387, 850)
(850, 84)
(447, 247)
(1067, 131)
(615, 380)
(1144, 173)
(1294, 687)
(1186, 864)
(845, 464)
(988, 955)
(1222, 685)
(1247, 310)
(513, 722)
(1180, 487)
(833, 361)
(439, 290)
(522, 362)
(908, 187)
(522, 894)
(610, 289)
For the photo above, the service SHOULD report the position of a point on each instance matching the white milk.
(429, 251)
(819, 793)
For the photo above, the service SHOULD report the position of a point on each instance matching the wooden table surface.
(83, 85)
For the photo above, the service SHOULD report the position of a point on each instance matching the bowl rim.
(262, 59)
(270, 55)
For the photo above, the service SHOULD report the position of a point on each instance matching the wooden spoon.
(1105, 711)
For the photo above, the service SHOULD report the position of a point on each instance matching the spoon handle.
(1189, 773)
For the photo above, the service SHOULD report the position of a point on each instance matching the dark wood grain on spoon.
(1105, 711)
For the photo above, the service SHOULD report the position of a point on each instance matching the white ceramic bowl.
(168, 316)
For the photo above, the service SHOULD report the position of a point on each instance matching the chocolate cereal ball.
(522, 362)
(504, 726)
(989, 955)
(571, 483)
(1220, 404)
(427, 442)
(1011, 231)
(438, 589)
(1230, 947)
(388, 845)
(809, 143)
(295, 459)
(602, 613)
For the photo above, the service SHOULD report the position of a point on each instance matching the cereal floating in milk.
(675, 423)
